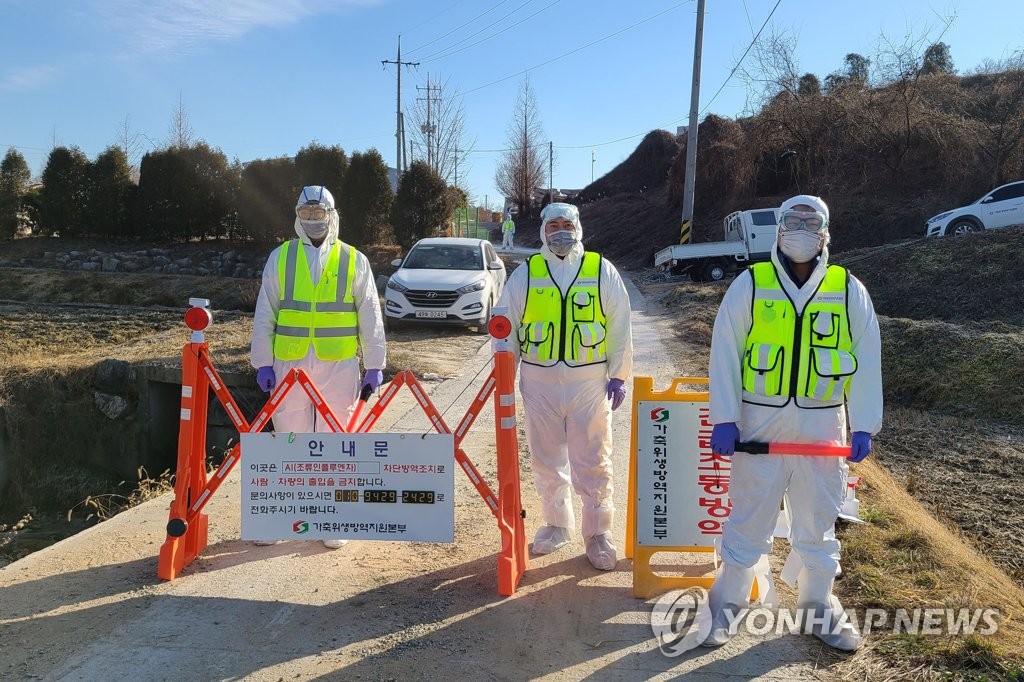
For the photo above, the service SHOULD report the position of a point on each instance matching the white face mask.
(314, 229)
(561, 242)
(799, 246)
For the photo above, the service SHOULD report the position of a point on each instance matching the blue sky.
(262, 78)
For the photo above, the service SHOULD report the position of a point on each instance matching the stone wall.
(230, 263)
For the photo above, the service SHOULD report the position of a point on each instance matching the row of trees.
(190, 191)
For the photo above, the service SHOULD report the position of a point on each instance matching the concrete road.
(91, 607)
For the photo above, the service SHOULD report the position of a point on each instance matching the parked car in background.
(1002, 207)
(446, 280)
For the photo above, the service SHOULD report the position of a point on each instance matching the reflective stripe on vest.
(568, 329)
(325, 315)
(817, 342)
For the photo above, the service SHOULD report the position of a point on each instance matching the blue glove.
(372, 378)
(616, 392)
(860, 447)
(724, 437)
(266, 379)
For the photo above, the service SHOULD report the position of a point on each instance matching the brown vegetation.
(885, 157)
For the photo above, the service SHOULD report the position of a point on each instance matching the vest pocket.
(763, 372)
(830, 371)
(825, 329)
(587, 339)
(536, 340)
(583, 305)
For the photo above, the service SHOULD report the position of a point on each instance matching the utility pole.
(429, 128)
(686, 228)
(551, 172)
(405, 161)
(592, 159)
(398, 108)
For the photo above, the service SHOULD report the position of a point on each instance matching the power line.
(733, 72)
(435, 16)
(583, 47)
(680, 119)
(459, 28)
(448, 51)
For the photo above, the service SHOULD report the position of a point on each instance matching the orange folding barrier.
(187, 526)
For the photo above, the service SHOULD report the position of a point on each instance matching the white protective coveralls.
(568, 414)
(508, 233)
(338, 381)
(816, 485)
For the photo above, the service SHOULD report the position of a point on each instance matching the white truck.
(749, 236)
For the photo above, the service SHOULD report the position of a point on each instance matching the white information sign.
(682, 487)
(359, 486)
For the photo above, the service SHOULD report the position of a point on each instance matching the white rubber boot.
(822, 614)
(728, 600)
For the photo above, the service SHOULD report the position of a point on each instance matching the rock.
(228, 256)
(90, 266)
(110, 264)
(171, 269)
(183, 262)
(160, 259)
(75, 254)
(131, 267)
(114, 376)
(202, 272)
(112, 406)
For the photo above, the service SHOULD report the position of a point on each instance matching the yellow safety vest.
(324, 315)
(569, 329)
(508, 226)
(806, 357)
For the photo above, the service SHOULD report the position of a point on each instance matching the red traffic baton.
(811, 449)
(364, 395)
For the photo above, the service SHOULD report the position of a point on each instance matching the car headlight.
(940, 216)
(392, 284)
(475, 286)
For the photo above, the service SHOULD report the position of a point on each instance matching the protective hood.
(561, 210)
(817, 203)
(321, 195)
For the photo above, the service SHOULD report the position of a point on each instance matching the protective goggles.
(809, 221)
(312, 212)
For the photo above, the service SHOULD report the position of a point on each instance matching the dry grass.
(908, 559)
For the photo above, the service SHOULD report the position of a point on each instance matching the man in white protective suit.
(570, 316)
(795, 349)
(317, 306)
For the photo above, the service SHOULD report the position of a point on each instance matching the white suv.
(445, 280)
(1002, 207)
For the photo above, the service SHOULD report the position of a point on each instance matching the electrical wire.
(459, 28)
(578, 49)
(745, 52)
(432, 57)
(718, 92)
(435, 16)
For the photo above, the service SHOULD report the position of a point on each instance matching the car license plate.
(432, 314)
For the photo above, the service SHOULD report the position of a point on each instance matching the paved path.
(91, 607)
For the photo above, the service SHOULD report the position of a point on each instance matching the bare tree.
(180, 135)
(438, 126)
(132, 143)
(524, 164)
